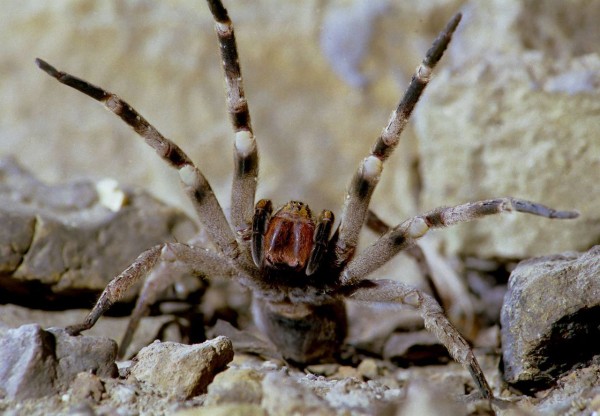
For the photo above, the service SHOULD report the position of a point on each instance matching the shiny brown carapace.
(288, 240)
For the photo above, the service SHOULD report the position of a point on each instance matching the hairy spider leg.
(398, 293)
(194, 183)
(404, 235)
(320, 241)
(367, 176)
(157, 263)
(377, 225)
(260, 221)
(243, 188)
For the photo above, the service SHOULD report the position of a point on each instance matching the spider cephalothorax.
(298, 274)
(284, 242)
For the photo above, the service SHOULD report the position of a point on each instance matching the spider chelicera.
(298, 271)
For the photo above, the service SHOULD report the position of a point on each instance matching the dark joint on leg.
(247, 166)
(361, 187)
(399, 240)
(218, 11)
(241, 118)
(489, 207)
(382, 150)
(176, 156)
(435, 219)
(199, 194)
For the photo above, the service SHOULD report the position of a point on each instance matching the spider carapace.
(298, 271)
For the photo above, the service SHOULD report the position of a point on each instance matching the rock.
(415, 348)
(225, 410)
(236, 385)
(87, 386)
(427, 400)
(282, 395)
(13, 316)
(28, 368)
(37, 362)
(58, 240)
(505, 120)
(550, 316)
(182, 370)
(368, 369)
(83, 353)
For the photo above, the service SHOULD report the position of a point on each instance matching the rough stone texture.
(58, 239)
(36, 362)
(515, 113)
(182, 370)
(551, 317)
(236, 385)
(394, 391)
(87, 386)
(13, 316)
(285, 396)
(225, 410)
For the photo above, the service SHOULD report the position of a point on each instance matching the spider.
(299, 271)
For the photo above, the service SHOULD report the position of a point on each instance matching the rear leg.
(392, 292)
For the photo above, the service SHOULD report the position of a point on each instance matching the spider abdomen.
(302, 333)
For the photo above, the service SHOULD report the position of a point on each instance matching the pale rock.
(181, 370)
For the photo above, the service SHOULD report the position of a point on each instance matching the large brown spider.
(299, 276)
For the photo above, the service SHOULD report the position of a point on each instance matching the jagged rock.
(13, 316)
(515, 114)
(37, 362)
(236, 385)
(551, 317)
(61, 239)
(182, 370)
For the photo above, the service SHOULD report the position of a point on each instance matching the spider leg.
(376, 224)
(446, 287)
(243, 188)
(178, 259)
(194, 183)
(406, 233)
(260, 220)
(320, 240)
(156, 265)
(387, 291)
(367, 176)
